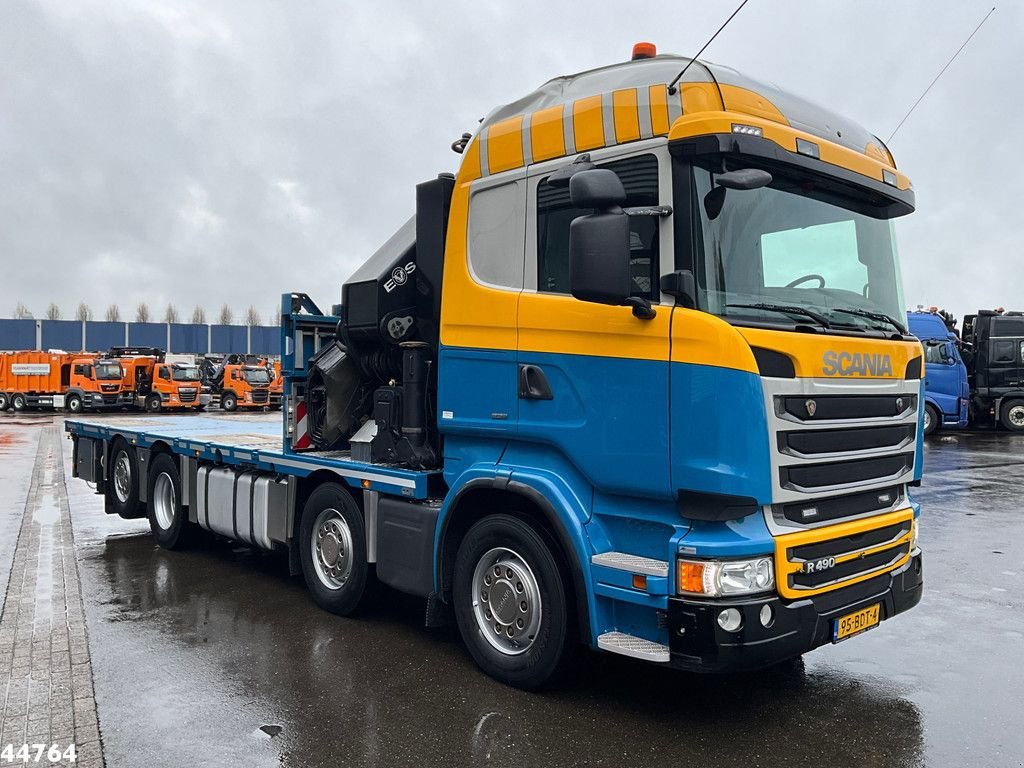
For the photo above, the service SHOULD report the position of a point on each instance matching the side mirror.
(599, 243)
(744, 178)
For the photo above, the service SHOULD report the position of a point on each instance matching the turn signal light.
(690, 577)
(644, 51)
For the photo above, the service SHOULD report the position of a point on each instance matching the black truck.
(993, 351)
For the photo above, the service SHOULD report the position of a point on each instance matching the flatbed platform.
(247, 440)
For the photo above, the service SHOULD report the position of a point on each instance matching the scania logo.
(811, 407)
(855, 364)
(899, 405)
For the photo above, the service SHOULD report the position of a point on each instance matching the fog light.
(766, 616)
(730, 620)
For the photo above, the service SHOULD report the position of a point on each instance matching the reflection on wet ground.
(216, 656)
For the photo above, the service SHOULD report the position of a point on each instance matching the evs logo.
(855, 364)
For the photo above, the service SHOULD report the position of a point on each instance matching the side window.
(1003, 351)
(934, 352)
(554, 214)
(79, 370)
(497, 234)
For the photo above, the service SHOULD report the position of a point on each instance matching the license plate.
(854, 623)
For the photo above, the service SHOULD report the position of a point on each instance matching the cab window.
(555, 213)
(162, 372)
(1003, 351)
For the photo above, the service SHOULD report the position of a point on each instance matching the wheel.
(123, 482)
(931, 419)
(153, 403)
(1012, 415)
(168, 519)
(73, 403)
(5, 401)
(229, 401)
(510, 601)
(332, 550)
(19, 402)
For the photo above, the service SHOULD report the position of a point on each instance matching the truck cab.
(276, 384)
(244, 386)
(993, 346)
(946, 392)
(93, 382)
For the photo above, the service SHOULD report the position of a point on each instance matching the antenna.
(941, 72)
(672, 86)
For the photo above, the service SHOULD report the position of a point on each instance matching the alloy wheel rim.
(164, 500)
(332, 550)
(506, 601)
(1017, 415)
(122, 477)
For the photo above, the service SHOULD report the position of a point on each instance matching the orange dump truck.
(236, 382)
(75, 381)
(156, 383)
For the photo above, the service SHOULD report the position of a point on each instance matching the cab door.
(942, 375)
(593, 379)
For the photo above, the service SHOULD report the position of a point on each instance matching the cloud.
(230, 150)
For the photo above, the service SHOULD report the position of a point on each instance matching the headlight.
(724, 578)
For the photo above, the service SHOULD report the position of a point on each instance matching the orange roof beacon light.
(644, 51)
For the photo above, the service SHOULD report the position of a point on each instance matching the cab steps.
(636, 647)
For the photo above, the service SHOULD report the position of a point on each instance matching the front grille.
(838, 473)
(849, 552)
(818, 441)
(110, 399)
(832, 407)
(260, 396)
(187, 395)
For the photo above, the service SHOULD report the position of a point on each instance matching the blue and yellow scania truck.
(636, 378)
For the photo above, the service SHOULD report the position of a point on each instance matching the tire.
(1011, 415)
(153, 403)
(168, 518)
(73, 403)
(229, 401)
(332, 550)
(19, 402)
(931, 419)
(5, 401)
(123, 483)
(531, 643)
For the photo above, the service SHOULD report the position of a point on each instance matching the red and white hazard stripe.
(301, 440)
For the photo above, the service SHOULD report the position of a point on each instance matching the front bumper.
(698, 644)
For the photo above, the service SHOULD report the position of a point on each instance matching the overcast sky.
(201, 152)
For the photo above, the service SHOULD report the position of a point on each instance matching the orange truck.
(156, 383)
(276, 385)
(235, 383)
(75, 381)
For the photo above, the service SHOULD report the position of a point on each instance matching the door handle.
(533, 384)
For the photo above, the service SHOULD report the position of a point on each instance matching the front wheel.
(168, 518)
(229, 401)
(5, 401)
(510, 601)
(931, 420)
(1011, 415)
(332, 550)
(74, 403)
(153, 403)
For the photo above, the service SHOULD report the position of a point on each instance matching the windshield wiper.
(871, 316)
(788, 309)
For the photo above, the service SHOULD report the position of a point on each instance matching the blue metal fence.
(100, 335)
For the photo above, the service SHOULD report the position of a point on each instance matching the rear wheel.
(229, 401)
(5, 401)
(168, 518)
(73, 403)
(510, 601)
(153, 402)
(123, 483)
(931, 419)
(1011, 414)
(19, 401)
(332, 550)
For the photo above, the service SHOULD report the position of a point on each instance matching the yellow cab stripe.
(702, 339)
(626, 116)
(547, 136)
(588, 123)
(659, 109)
(784, 568)
(505, 145)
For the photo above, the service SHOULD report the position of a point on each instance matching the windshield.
(792, 244)
(107, 371)
(185, 373)
(257, 376)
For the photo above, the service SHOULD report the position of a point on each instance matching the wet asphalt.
(217, 657)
